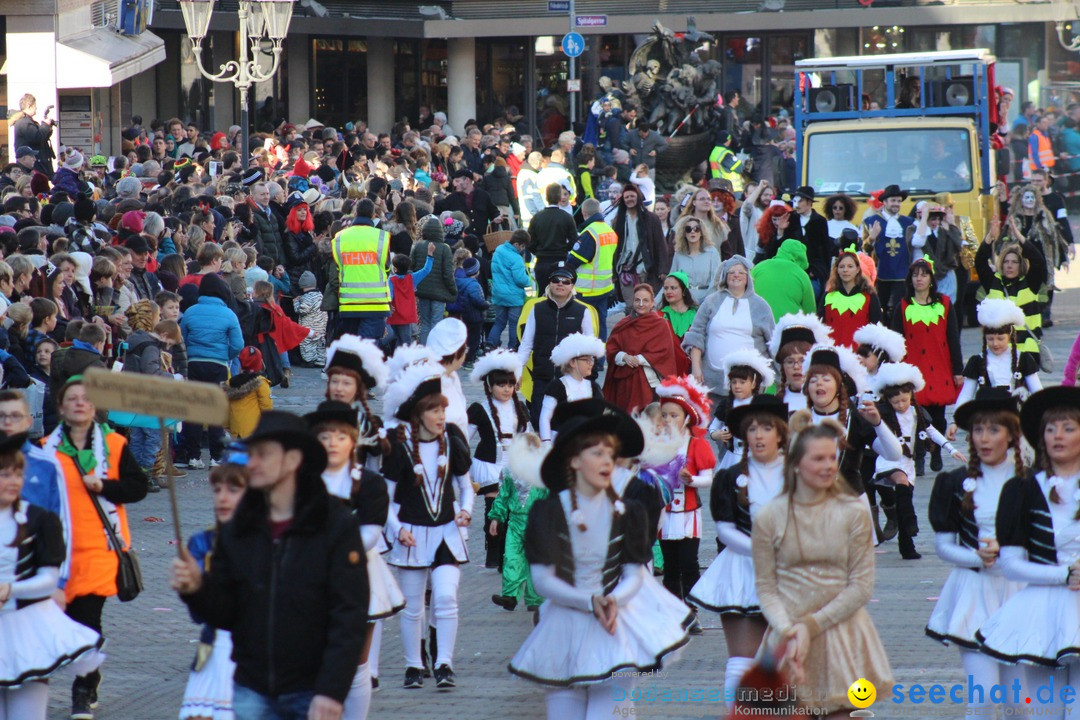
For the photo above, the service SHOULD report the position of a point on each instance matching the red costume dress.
(650, 335)
(933, 346)
(847, 313)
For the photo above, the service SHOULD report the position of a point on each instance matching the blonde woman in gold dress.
(813, 554)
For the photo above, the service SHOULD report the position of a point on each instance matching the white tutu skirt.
(1039, 625)
(40, 639)
(386, 598)
(727, 586)
(967, 600)
(570, 648)
(428, 539)
(209, 691)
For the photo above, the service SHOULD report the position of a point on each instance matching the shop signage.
(588, 21)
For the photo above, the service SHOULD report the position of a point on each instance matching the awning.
(102, 57)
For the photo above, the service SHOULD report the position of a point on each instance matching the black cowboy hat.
(582, 417)
(332, 411)
(432, 386)
(893, 191)
(765, 404)
(804, 191)
(346, 360)
(1037, 404)
(291, 433)
(987, 399)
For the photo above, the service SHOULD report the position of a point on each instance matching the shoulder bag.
(129, 581)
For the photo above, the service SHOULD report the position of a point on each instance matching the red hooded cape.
(649, 335)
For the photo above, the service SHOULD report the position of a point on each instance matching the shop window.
(433, 69)
(500, 68)
(744, 70)
(552, 108)
(339, 71)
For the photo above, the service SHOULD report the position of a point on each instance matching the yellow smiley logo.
(862, 693)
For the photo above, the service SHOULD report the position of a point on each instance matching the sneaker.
(414, 678)
(374, 684)
(444, 677)
(80, 704)
(215, 463)
(195, 464)
(152, 485)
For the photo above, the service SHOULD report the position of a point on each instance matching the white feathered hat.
(994, 313)
(360, 355)
(498, 359)
(415, 382)
(894, 374)
(798, 326)
(841, 358)
(576, 345)
(752, 359)
(882, 338)
(405, 356)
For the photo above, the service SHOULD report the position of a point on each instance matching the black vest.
(1023, 519)
(487, 448)
(409, 494)
(553, 323)
(724, 500)
(947, 513)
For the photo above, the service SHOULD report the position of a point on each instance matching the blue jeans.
(144, 444)
(285, 362)
(505, 316)
(401, 334)
(371, 326)
(431, 312)
(600, 302)
(190, 446)
(250, 705)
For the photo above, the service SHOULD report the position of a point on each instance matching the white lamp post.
(257, 18)
(1067, 12)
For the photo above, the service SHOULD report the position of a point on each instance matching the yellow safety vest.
(595, 276)
(1028, 302)
(717, 170)
(361, 253)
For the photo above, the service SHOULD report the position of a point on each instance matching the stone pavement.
(151, 641)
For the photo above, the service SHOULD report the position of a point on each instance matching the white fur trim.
(576, 345)
(822, 332)
(406, 384)
(498, 359)
(371, 357)
(997, 313)
(525, 456)
(752, 359)
(661, 446)
(894, 373)
(849, 365)
(407, 355)
(880, 337)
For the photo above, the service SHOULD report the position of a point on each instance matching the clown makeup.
(1027, 200)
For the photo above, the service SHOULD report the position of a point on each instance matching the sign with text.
(196, 402)
(573, 85)
(558, 5)
(588, 21)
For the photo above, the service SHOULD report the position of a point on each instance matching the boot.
(908, 522)
(891, 528)
(506, 603)
(493, 545)
(920, 458)
(879, 535)
(935, 458)
(286, 376)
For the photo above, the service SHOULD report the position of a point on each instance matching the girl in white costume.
(792, 338)
(575, 356)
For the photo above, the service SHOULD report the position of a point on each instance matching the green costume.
(511, 508)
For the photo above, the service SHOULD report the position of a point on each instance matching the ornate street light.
(1067, 13)
(258, 18)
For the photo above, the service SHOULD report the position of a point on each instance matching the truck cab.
(918, 120)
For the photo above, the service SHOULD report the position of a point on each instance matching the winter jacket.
(439, 285)
(178, 351)
(144, 354)
(470, 303)
(68, 181)
(297, 607)
(249, 397)
(300, 250)
(782, 281)
(552, 233)
(30, 132)
(653, 141)
(211, 331)
(70, 361)
(270, 233)
(501, 188)
(480, 209)
(509, 278)
(651, 244)
(146, 284)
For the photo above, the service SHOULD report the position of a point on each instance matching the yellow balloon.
(862, 693)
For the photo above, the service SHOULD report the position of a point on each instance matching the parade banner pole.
(170, 473)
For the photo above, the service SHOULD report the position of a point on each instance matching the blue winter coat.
(211, 331)
(509, 278)
(470, 303)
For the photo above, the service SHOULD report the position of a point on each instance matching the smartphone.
(215, 168)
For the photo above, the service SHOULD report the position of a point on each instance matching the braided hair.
(841, 390)
(890, 418)
(1014, 367)
(769, 420)
(498, 377)
(411, 438)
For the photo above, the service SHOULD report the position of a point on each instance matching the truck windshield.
(858, 162)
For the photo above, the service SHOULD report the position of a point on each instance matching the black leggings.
(86, 610)
(680, 565)
(937, 419)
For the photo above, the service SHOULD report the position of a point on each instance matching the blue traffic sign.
(573, 44)
(558, 5)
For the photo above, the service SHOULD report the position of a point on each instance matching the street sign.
(196, 402)
(589, 21)
(573, 85)
(573, 44)
(559, 6)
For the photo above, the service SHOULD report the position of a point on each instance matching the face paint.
(1028, 200)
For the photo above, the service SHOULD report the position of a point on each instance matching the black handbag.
(129, 581)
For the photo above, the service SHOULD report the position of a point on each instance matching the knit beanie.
(251, 359)
(140, 315)
(471, 267)
(39, 184)
(128, 188)
(133, 220)
(432, 230)
(61, 213)
(307, 280)
(85, 209)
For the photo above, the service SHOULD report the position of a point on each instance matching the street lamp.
(257, 18)
(1067, 12)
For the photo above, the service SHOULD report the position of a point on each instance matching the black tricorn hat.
(583, 417)
(987, 399)
(332, 411)
(765, 404)
(290, 431)
(1037, 404)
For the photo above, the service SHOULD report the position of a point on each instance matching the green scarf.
(84, 459)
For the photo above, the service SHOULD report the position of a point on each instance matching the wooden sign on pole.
(163, 398)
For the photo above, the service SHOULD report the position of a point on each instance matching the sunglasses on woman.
(693, 228)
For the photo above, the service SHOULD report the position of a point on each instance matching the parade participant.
(876, 345)
(813, 558)
(38, 637)
(1000, 364)
(431, 496)
(101, 476)
(850, 301)
(495, 421)
(746, 374)
(890, 235)
(684, 409)
(1038, 530)
(364, 493)
(792, 338)
(209, 691)
(932, 337)
(828, 370)
(354, 369)
(521, 487)
(963, 510)
(641, 350)
(587, 549)
(739, 493)
(574, 357)
(1017, 275)
(897, 384)
(448, 342)
(677, 303)
(288, 578)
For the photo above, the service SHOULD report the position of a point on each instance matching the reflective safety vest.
(1046, 150)
(725, 164)
(595, 276)
(1028, 334)
(361, 253)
